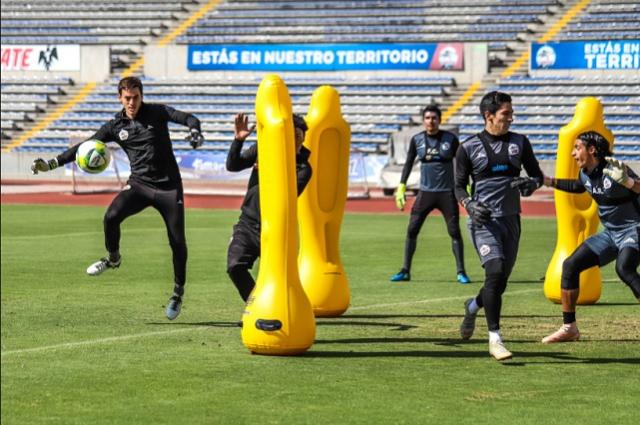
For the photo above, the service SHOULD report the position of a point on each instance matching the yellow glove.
(401, 199)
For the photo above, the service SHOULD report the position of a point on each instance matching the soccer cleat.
(499, 351)
(567, 333)
(100, 266)
(463, 278)
(401, 276)
(174, 306)
(469, 322)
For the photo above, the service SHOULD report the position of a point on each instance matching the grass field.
(83, 350)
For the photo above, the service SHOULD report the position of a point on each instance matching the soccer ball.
(93, 156)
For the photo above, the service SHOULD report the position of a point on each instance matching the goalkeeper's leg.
(627, 269)
(127, 203)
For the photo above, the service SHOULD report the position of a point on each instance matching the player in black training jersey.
(493, 159)
(244, 248)
(141, 129)
(435, 149)
(615, 188)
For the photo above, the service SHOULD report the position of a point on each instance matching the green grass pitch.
(98, 350)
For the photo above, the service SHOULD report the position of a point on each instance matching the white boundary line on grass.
(100, 340)
(432, 300)
(172, 331)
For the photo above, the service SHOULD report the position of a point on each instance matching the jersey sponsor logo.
(485, 250)
(514, 149)
(606, 182)
(123, 135)
(499, 167)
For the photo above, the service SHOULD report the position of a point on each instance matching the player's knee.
(626, 271)
(495, 276)
(570, 274)
(111, 218)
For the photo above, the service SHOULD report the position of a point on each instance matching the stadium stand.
(376, 105)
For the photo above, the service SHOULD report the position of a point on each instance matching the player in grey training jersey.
(435, 149)
(615, 189)
(494, 159)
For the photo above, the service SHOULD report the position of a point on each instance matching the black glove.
(480, 214)
(526, 185)
(195, 138)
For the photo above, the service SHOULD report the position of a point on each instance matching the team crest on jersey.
(514, 149)
(446, 146)
(123, 135)
(485, 250)
(606, 182)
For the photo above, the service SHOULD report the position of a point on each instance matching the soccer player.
(493, 159)
(141, 129)
(615, 188)
(244, 248)
(435, 149)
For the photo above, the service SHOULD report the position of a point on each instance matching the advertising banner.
(604, 54)
(325, 57)
(62, 57)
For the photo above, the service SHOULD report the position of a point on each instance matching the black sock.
(178, 290)
(568, 317)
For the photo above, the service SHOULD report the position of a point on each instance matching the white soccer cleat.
(567, 333)
(499, 351)
(100, 266)
(174, 306)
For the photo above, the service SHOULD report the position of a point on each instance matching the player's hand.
(401, 198)
(617, 170)
(480, 214)
(42, 166)
(195, 138)
(526, 185)
(242, 128)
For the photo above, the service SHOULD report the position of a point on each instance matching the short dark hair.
(432, 108)
(595, 139)
(299, 122)
(492, 101)
(129, 83)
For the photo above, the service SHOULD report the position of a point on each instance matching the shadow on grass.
(548, 357)
(212, 324)
(439, 341)
(432, 316)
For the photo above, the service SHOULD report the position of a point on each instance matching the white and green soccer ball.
(93, 156)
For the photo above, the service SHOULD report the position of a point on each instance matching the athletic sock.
(495, 336)
(568, 317)
(473, 307)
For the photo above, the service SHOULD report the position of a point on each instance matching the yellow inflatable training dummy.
(321, 205)
(278, 318)
(577, 214)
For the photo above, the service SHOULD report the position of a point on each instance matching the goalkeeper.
(435, 149)
(493, 159)
(244, 248)
(141, 129)
(615, 188)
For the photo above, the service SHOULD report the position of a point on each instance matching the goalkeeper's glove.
(480, 214)
(401, 198)
(195, 138)
(40, 165)
(526, 185)
(618, 172)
